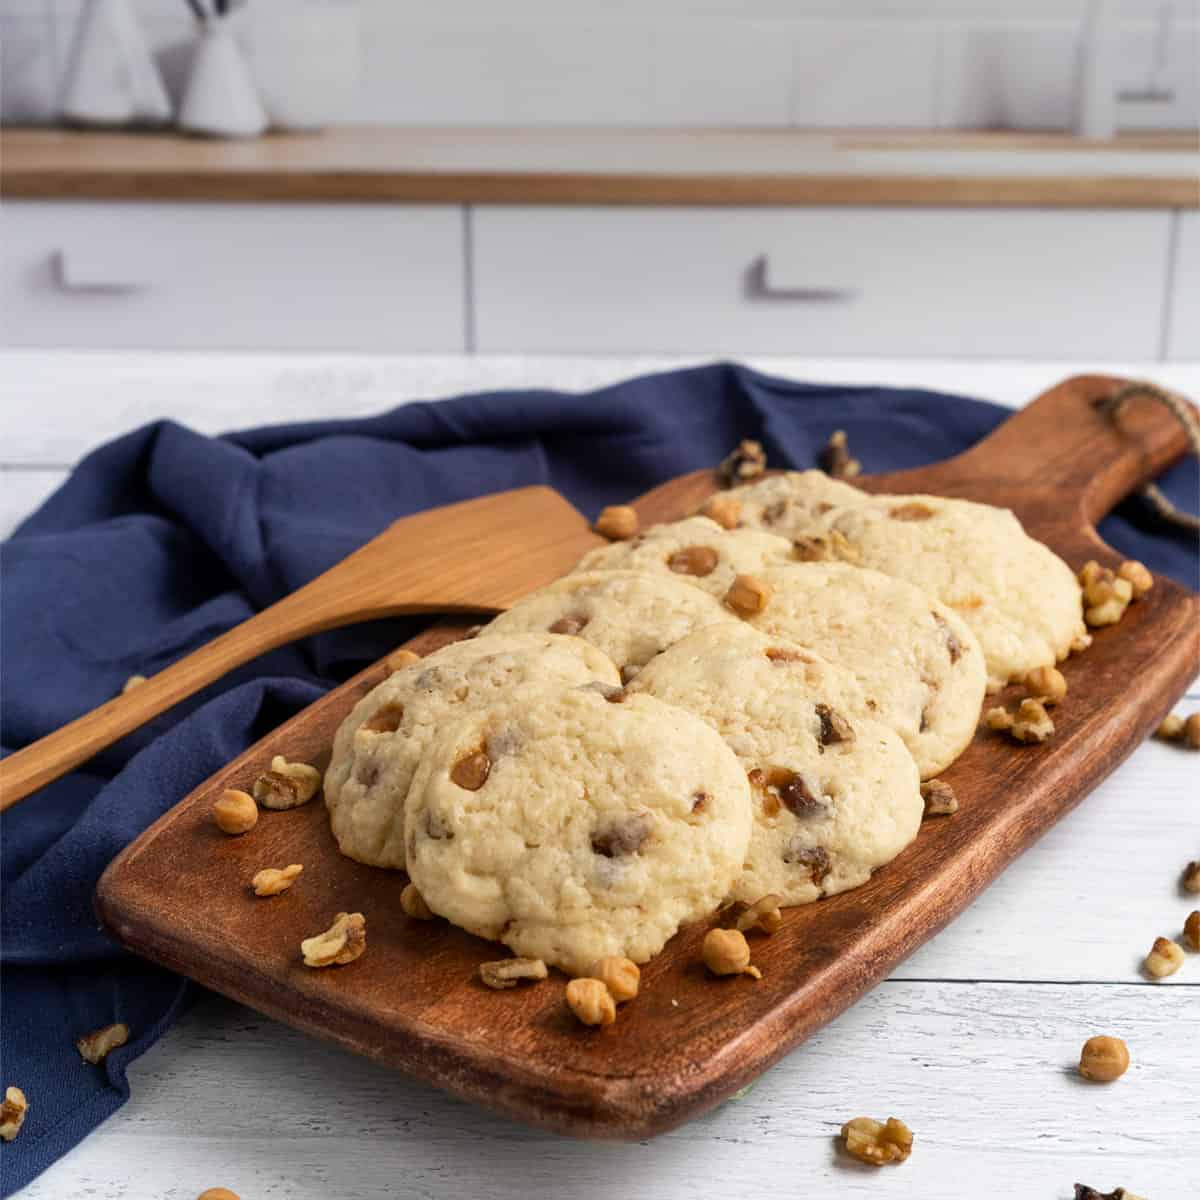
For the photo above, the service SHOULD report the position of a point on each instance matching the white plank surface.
(972, 1041)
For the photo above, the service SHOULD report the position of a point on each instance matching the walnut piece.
(834, 727)
(825, 547)
(1171, 728)
(270, 881)
(1083, 1192)
(939, 797)
(508, 972)
(725, 510)
(626, 836)
(96, 1046)
(399, 659)
(1103, 1059)
(914, 510)
(815, 858)
(12, 1113)
(286, 784)
(132, 682)
(1047, 684)
(413, 904)
(1165, 958)
(835, 458)
(386, 719)
(591, 1002)
(218, 1194)
(747, 460)
(619, 974)
(877, 1144)
(471, 771)
(763, 915)
(342, 942)
(1105, 595)
(694, 560)
(570, 624)
(617, 522)
(1191, 732)
(748, 595)
(234, 812)
(1032, 723)
(1139, 578)
(998, 718)
(1191, 930)
(726, 952)
(1191, 877)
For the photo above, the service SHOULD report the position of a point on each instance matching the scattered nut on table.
(1165, 958)
(1083, 1192)
(1047, 684)
(1103, 1058)
(270, 881)
(763, 915)
(835, 458)
(413, 904)
(726, 952)
(235, 812)
(870, 1142)
(619, 974)
(747, 595)
(725, 510)
(96, 1046)
(132, 682)
(1191, 877)
(399, 659)
(508, 972)
(746, 461)
(12, 1113)
(342, 942)
(591, 1001)
(939, 797)
(218, 1194)
(617, 522)
(1139, 578)
(1171, 729)
(287, 784)
(1191, 930)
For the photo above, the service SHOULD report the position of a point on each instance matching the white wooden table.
(973, 1041)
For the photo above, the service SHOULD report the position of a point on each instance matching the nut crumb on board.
(619, 974)
(1047, 684)
(12, 1112)
(508, 972)
(1030, 723)
(618, 522)
(270, 881)
(877, 1144)
(96, 1046)
(939, 797)
(235, 812)
(726, 952)
(763, 915)
(591, 1002)
(342, 942)
(286, 784)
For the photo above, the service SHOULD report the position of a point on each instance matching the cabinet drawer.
(822, 281)
(232, 276)
(1183, 322)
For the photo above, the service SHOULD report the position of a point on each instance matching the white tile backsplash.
(830, 63)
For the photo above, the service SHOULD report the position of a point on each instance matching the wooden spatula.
(460, 558)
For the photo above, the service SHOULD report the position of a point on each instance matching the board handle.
(1068, 448)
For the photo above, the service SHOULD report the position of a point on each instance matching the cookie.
(786, 504)
(1021, 600)
(378, 746)
(835, 794)
(920, 667)
(628, 615)
(571, 827)
(697, 551)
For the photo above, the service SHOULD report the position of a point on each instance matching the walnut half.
(508, 972)
(286, 784)
(877, 1144)
(342, 942)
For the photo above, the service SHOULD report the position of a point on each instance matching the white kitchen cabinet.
(1183, 320)
(232, 276)
(821, 281)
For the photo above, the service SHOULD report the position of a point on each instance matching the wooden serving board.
(179, 894)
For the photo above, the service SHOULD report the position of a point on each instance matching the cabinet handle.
(96, 269)
(765, 283)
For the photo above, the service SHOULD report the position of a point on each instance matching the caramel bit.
(953, 646)
(96, 1046)
(825, 547)
(624, 837)
(815, 858)
(877, 1144)
(834, 727)
(779, 785)
(508, 972)
(700, 801)
(913, 511)
(572, 623)
(835, 458)
(784, 654)
(399, 659)
(748, 460)
(386, 719)
(471, 771)
(694, 560)
(748, 596)
(725, 510)
(618, 522)
(939, 797)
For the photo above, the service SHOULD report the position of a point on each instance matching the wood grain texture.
(542, 166)
(412, 999)
(457, 558)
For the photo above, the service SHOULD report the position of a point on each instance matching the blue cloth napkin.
(163, 538)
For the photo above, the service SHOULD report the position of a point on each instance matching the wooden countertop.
(597, 166)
